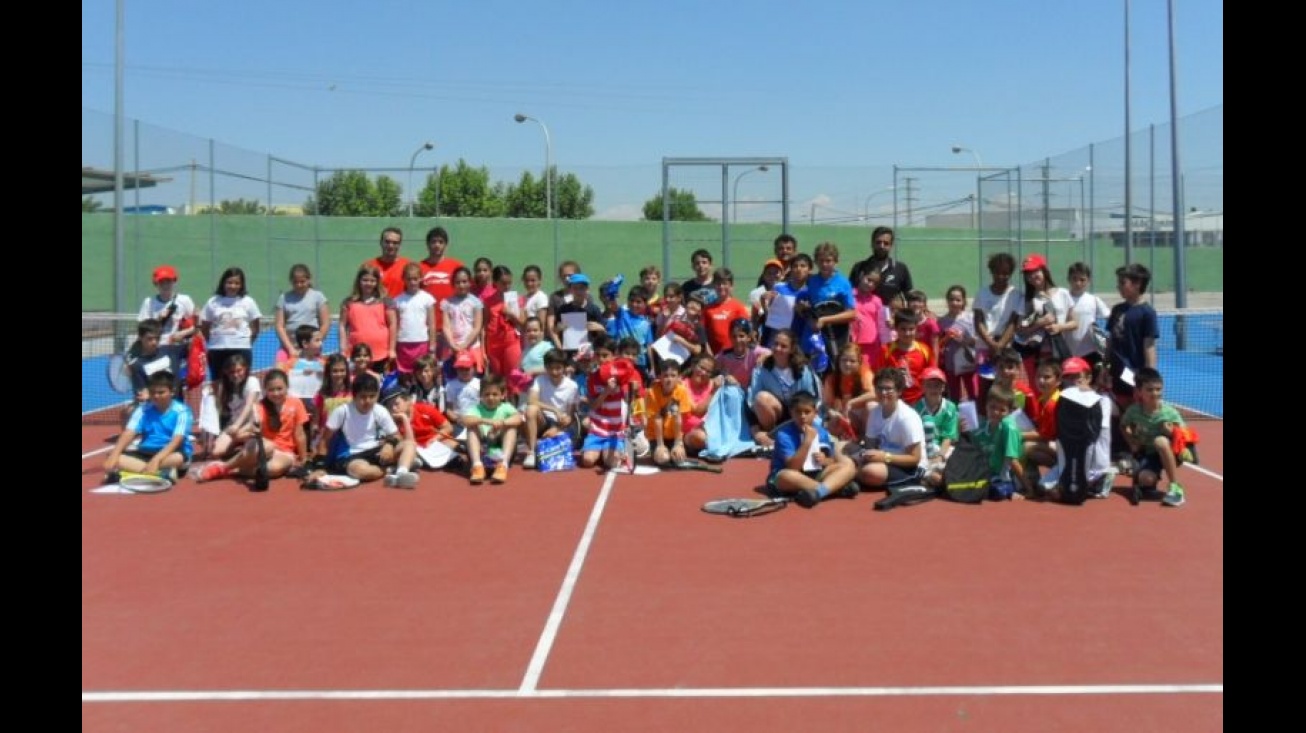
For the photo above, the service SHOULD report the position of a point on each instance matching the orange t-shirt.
(658, 405)
(392, 275)
(293, 414)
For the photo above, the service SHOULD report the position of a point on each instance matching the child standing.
(725, 311)
(1133, 332)
(534, 301)
(927, 326)
(650, 278)
(230, 322)
(367, 317)
(994, 308)
(502, 319)
(957, 340)
(631, 322)
(907, 354)
(174, 311)
(163, 426)
(870, 320)
(805, 463)
(302, 305)
(464, 320)
(305, 373)
(1149, 426)
(1086, 309)
(415, 312)
(492, 431)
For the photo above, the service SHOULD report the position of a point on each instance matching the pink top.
(366, 324)
(866, 327)
(697, 394)
(741, 368)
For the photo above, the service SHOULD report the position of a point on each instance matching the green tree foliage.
(352, 193)
(684, 207)
(571, 198)
(90, 205)
(461, 191)
(241, 206)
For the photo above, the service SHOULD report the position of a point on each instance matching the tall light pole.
(548, 163)
(866, 206)
(734, 197)
(412, 195)
(959, 149)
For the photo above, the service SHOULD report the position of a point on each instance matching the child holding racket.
(609, 413)
(282, 418)
(163, 426)
(666, 405)
(805, 463)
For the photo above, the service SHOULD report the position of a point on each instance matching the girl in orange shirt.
(281, 417)
(847, 389)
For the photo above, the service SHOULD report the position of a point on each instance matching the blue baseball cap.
(578, 279)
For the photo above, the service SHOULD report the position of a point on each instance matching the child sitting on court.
(463, 391)
(939, 418)
(1077, 386)
(607, 386)
(1041, 443)
(492, 430)
(665, 406)
(360, 437)
(1009, 373)
(999, 437)
(805, 463)
(550, 404)
(1149, 426)
(163, 426)
(423, 427)
(306, 372)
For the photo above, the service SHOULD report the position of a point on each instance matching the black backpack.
(1079, 423)
(966, 474)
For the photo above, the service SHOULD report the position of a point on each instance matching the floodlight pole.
(734, 197)
(412, 195)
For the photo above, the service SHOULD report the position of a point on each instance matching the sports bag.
(555, 453)
(197, 361)
(966, 474)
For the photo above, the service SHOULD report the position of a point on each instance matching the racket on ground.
(261, 470)
(119, 374)
(143, 483)
(692, 465)
(744, 508)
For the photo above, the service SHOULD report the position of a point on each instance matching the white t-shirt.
(533, 304)
(460, 397)
(997, 311)
(561, 397)
(251, 392)
(362, 432)
(1088, 308)
(412, 311)
(230, 318)
(897, 432)
(153, 308)
(460, 312)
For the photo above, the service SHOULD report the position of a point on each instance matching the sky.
(844, 91)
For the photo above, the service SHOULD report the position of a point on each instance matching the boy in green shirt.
(1148, 426)
(1001, 440)
(492, 430)
(938, 417)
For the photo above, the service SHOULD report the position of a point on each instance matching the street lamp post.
(412, 195)
(548, 163)
(734, 197)
(866, 206)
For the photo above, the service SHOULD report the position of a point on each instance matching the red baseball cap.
(1034, 262)
(1074, 365)
(165, 272)
(464, 361)
(933, 373)
(773, 263)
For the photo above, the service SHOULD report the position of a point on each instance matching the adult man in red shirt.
(437, 271)
(390, 263)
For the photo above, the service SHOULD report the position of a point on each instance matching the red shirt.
(427, 421)
(912, 361)
(437, 280)
(717, 319)
(392, 275)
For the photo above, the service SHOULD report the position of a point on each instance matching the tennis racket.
(143, 483)
(119, 374)
(744, 508)
(691, 465)
(261, 470)
(628, 460)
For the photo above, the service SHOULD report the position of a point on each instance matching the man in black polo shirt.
(895, 278)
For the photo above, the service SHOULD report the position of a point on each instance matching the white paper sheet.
(573, 330)
(668, 348)
(781, 313)
(511, 302)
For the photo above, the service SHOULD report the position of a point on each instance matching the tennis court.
(584, 602)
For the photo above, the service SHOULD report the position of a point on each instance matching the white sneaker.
(391, 481)
(406, 480)
(528, 461)
(1107, 480)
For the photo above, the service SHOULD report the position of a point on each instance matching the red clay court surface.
(566, 602)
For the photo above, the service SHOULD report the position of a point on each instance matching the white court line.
(97, 452)
(1205, 471)
(545, 644)
(676, 692)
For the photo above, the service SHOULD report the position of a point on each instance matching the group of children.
(891, 380)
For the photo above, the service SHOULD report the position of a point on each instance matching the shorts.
(407, 354)
(597, 443)
(144, 456)
(813, 475)
(1152, 462)
(340, 465)
(899, 475)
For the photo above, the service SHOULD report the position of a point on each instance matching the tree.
(528, 198)
(90, 205)
(352, 193)
(241, 206)
(571, 199)
(461, 191)
(684, 207)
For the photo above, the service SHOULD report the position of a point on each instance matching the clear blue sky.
(854, 84)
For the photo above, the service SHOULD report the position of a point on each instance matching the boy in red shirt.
(908, 355)
(725, 311)
(428, 436)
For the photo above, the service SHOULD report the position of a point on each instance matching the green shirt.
(1148, 427)
(939, 426)
(1000, 442)
(502, 412)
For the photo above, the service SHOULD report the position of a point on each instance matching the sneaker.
(169, 475)
(478, 473)
(1153, 494)
(390, 481)
(1105, 482)
(212, 472)
(807, 498)
(500, 474)
(848, 492)
(112, 477)
(405, 480)
(1175, 496)
(529, 461)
